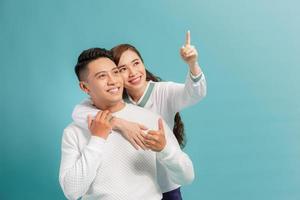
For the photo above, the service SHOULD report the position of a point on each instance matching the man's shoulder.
(74, 129)
(140, 115)
(143, 116)
(140, 110)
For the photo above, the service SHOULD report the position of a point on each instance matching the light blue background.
(244, 137)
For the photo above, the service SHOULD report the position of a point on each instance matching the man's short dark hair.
(88, 56)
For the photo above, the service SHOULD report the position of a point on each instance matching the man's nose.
(111, 79)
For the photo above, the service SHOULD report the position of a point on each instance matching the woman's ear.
(84, 87)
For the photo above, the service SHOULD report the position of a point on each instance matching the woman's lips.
(135, 80)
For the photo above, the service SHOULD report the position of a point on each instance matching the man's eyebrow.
(99, 73)
(115, 68)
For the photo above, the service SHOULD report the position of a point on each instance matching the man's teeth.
(113, 90)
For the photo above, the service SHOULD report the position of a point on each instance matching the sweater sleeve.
(82, 111)
(78, 168)
(179, 96)
(177, 163)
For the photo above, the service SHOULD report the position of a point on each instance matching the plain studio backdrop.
(244, 137)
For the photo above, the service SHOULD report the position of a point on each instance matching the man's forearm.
(78, 169)
(178, 164)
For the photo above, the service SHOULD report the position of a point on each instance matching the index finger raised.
(188, 38)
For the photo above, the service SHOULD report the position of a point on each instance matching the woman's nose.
(132, 71)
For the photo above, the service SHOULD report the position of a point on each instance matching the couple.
(126, 151)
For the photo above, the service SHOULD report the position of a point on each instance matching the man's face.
(133, 71)
(104, 83)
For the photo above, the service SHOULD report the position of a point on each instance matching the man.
(100, 163)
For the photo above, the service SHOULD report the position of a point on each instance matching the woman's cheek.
(124, 76)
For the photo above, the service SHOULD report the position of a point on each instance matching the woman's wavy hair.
(178, 128)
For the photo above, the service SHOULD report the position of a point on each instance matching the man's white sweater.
(163, 98)
(111, 169)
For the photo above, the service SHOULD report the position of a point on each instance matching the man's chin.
(116, 98)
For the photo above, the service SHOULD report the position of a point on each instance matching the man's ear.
(84, 87)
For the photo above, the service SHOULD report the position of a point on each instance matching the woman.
(164, 98)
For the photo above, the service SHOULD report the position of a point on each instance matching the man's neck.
(113, 107)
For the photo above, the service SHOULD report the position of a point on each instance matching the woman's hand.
(155, 140)
(188, 52)
(190, 55)
(131, 131)
(100, 126)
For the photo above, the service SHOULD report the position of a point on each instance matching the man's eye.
(101, 76)
(116, 71)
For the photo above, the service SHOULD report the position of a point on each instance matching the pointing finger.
(188, 38)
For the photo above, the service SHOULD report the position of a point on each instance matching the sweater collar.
(145, 97)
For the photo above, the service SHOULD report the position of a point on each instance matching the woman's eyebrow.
(121, 66)
(134, 60)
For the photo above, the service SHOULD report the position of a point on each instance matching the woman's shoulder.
(165, 85)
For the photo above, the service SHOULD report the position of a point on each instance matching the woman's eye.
(136, 63)
(122, 69)
(116, 71)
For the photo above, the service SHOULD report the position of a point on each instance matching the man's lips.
(114, 90)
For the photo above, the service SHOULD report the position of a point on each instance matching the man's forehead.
(102, 64)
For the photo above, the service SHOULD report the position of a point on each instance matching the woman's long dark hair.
(178, 128)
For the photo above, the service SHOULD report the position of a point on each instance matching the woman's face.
(133, 72)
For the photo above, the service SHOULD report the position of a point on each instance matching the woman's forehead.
(128, 56)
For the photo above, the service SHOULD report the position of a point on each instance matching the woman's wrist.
(116, 123)
(195, 69)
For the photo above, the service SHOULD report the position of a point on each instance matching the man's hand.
(155, 140)
(100, 126)
(188, 52)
